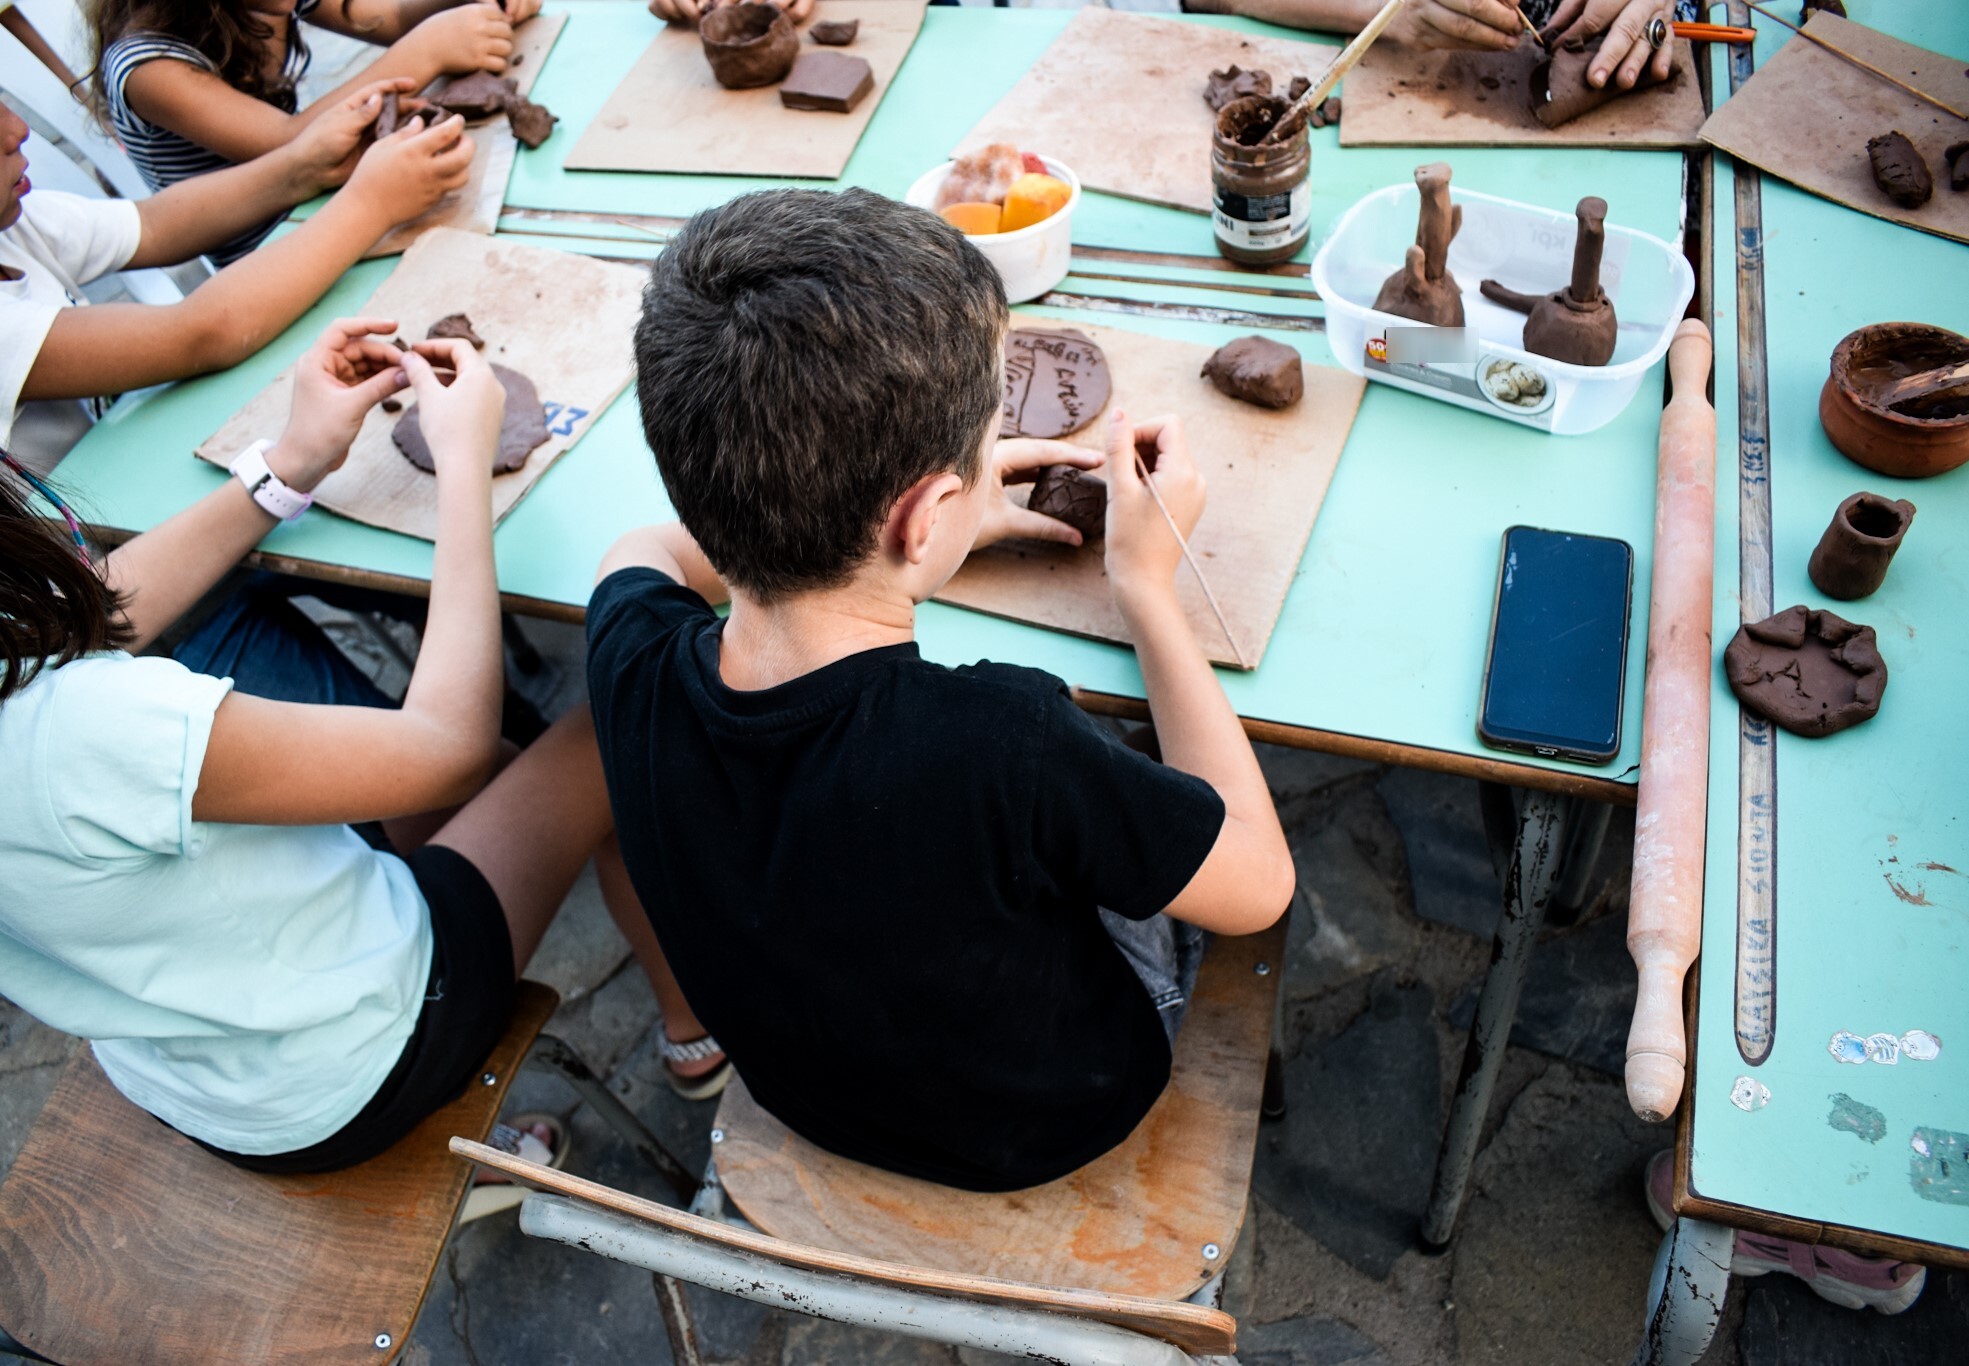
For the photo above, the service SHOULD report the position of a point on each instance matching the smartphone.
(1558, 645)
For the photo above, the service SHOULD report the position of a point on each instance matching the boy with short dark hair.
(885, 885)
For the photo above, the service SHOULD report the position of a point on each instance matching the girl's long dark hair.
(54, 607)
(224, 30)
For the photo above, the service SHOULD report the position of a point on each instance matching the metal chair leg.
(1685, 1296)
(1589, 835)
(678, 1325)
(550, 1052)
(1527, 891)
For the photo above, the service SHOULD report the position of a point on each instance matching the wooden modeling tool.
(1302, 109)
(1664, 915)
(1864, 66)
(1149, 483)
(1530, 28)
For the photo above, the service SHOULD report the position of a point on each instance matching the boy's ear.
(913, 520)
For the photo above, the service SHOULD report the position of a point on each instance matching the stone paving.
(1390, 936)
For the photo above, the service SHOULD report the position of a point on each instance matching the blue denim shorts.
(1165, 954)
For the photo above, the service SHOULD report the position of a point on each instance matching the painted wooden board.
(1267, 471)
(1132, 1222)
(474, 207)
(669, 114)
(563, 321)
(1404, 98)
(1119, 98)
(1807, 114)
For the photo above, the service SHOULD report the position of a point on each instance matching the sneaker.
(1848, 1279)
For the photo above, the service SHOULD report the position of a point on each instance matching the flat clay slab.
(1268, 472)
(474, 206)
(1404, 98)
(669, 114)
(1119, 98)
(1806, 115)
(576, 352)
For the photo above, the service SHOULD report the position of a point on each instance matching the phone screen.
(1558, 645)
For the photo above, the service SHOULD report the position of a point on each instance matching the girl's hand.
(329, 147)
(1018, 460)
(404, 174)
(689, 12)
(1485, 25)
(1624, 52)
(336, 382)
(464, 39)
(461, 416)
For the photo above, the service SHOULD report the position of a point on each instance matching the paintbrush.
(1293, 119)
(1864, 66)
(1190, 559)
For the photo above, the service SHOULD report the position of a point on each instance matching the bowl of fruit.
(1015, 207)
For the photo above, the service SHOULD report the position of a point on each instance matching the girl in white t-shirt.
(179, 882)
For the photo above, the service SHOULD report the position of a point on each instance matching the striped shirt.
(163, 157)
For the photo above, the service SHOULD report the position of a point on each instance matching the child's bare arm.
(1247, 880)
(385, 21)
(109, 348)
(671, 551)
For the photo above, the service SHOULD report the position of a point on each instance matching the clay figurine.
(1899, 170)
(524, 428)
(1575, 324)
(835, 32)
(827, 80)
(1074, 497)
(455, 325)
(1812, 673)
(1423, 289)
(1852, 557)
(1234, 84)
(1559, 92)
(748, 44)
(1257, 370)
(1956, 157)
(1056, 382)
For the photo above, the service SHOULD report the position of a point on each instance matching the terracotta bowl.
(1878, 437)
(749, 45)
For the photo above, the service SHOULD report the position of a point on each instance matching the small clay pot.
(1881, 438)
(1852, 557)
(749, 45)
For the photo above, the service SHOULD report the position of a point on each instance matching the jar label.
(1262, 221)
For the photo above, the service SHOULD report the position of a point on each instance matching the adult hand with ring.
(1639, 36)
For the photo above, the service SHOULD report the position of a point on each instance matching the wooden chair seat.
(123, 1241)
(1135, 1222)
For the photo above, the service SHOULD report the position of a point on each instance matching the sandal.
(492, 1192)
(704, 1085)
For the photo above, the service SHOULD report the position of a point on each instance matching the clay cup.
(1880, 438)
(1852, 557)
(749, 45)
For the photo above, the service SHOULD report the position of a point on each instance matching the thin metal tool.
(1148, 482)
(1838, 51)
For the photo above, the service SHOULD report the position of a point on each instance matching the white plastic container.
(1527, 248)
(1033, 259)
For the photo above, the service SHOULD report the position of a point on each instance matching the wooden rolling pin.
(1664, 917)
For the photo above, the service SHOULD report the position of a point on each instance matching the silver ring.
(1657, 31)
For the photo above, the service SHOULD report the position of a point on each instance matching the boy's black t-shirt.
(877, 886)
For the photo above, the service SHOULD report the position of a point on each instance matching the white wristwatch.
(250, 465)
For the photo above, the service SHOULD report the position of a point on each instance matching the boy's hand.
(460, 417)
(329, 147)
(1018, 460)
(404, 174)
(1142, 555)
(336, 382)
(464, 39)
(691, 11)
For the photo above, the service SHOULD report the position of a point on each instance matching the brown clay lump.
(835, 32)
(477, 96)
(1956, 157)
(525, 427)
(1811, 7)
(1056, 382)
(532, 123)
(1559, 89)
(455, 325)
(1074, 497)
(1575, 324)
(390, 117)
(1899, 170)
(1812, 673)
(1423, 289)
(1257, 370)
(748, 44)
(832, 81)
(1234, 84)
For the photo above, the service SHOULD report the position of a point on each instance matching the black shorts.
(467, 1005)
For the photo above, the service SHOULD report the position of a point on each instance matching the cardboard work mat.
(1806, 116)
(561, 320)
(1119, 98)
(670, 115)
(1267, 471)
(1404, 98)
(475, 206)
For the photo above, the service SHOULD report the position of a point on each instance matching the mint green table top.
(1382, 636)
(1873, 823)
